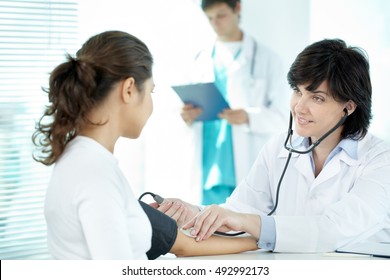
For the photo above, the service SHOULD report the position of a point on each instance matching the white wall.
(283, 25)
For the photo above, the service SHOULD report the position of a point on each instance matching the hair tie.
(77, 61)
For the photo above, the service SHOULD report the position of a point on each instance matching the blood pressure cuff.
(164, 231)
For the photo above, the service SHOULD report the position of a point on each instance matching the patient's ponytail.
(82, 82)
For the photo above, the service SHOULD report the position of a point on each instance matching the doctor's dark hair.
(346, 69)
(208, 3)
(83, 82)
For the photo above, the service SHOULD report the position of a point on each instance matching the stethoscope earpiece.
(312, 146)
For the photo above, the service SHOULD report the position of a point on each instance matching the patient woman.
(101, 94)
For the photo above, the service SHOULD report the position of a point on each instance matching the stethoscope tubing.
(313, 145)
(253, 59)
(291, 150)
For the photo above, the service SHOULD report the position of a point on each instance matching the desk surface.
(266, 255)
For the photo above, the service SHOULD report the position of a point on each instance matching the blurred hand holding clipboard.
(206, 96)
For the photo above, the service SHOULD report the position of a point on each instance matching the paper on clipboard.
(206, 96)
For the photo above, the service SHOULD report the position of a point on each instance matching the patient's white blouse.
(90, 209)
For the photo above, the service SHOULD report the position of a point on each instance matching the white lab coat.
(349, 201)
(264, 95)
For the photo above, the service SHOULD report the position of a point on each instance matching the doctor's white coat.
(262, 91)
(349, 201)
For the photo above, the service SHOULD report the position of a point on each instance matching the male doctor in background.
(251, 78)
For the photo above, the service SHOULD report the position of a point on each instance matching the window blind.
(34, 36)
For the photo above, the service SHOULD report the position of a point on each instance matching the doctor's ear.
(350, 107)
(237, 8)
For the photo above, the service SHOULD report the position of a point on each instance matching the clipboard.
(206, 96)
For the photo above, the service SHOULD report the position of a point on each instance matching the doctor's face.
(223, 19)
(315, 112)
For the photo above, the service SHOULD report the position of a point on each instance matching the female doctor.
(250, 77)
(326, 187)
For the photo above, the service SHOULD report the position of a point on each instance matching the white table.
(266, 255)
(286, 265)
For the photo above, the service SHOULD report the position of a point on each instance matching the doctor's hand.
(179, 210)
(215, 218)
(189, 113)
(237, 116)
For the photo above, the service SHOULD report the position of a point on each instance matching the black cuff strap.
(164, 231)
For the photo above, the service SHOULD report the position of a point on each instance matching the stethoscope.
(253, 60)
(291, 150)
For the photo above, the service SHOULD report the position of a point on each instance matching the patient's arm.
(186, 246)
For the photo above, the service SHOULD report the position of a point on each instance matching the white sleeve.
(103, 219)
